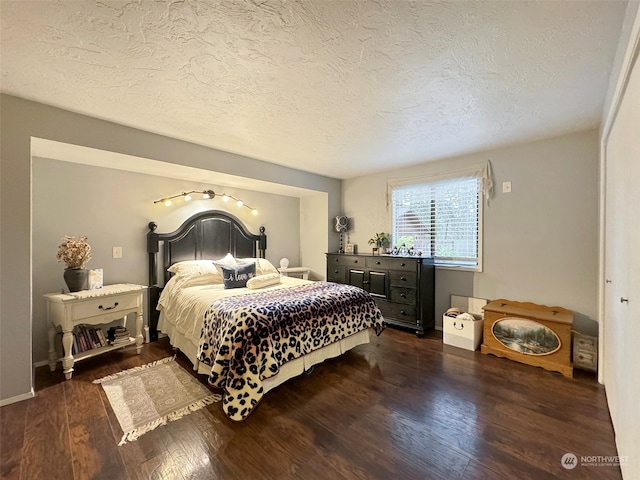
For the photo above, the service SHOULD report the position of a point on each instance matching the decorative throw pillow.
(236, 276)
(263, 266)
(226, 261)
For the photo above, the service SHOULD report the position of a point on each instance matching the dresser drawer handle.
(336, 259)
(108, 308)
(403, 264)
(403, 295)
(355, 261)
(402, 312)
(378, 262)
(335, 271)
(403, 279)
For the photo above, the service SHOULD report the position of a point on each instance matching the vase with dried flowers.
(75, 253)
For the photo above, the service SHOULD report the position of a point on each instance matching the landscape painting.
(525, 336)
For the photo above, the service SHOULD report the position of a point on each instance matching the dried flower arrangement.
(75, 253)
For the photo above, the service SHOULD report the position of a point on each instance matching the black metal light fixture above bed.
(206, 195)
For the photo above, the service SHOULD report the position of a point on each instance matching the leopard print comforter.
(246, 338)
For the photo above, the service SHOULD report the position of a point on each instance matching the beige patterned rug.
(146, 397)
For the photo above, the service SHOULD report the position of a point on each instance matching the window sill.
(458, 268)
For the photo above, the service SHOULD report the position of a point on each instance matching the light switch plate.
(117, 252)
(506, 187)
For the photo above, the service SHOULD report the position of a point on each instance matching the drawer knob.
(403, 279)
(403, 264)
(108, 308)
(335, 260)
(403, 295)
(378, 262)
(355, 261)
(402, 312)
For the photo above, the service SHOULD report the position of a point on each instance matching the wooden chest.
(528, 333)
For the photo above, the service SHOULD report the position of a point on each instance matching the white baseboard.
(17, 398)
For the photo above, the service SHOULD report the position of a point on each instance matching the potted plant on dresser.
(75, 253)
(379, 241)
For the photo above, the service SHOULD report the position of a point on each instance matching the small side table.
(585, 352)
(302, 272)
(91, 307)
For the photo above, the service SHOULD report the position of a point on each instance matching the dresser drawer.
(586, 343)
(398, 311)
(403, 295)
(585, 360)
(336, 273)
(392, 263)
(402, 279)
(346, 260)
(101, 305)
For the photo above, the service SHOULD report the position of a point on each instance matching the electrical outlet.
(506, 187)
(117, 252)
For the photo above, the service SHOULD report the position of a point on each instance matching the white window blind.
(441, 218)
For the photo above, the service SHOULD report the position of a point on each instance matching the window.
(441, 216)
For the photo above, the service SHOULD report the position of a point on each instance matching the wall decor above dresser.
(403, 287)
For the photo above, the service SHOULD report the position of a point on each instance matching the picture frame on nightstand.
(351, 248)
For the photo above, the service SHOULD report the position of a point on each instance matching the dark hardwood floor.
(400, 407)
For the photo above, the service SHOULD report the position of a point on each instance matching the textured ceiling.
(339, 88)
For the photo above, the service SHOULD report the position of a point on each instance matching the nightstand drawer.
(581, 342)
(585, 360)
(102, 305)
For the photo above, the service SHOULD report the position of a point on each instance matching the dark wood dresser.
(403, 287)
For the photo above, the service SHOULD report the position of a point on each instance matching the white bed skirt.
(291, 369)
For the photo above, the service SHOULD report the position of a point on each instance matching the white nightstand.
(302, 272)
(91, 307)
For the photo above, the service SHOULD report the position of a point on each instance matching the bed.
(249, 339)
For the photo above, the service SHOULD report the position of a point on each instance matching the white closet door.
(622, 274)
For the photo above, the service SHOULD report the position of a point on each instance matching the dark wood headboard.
(206, 235)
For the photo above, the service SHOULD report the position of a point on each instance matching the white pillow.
(263, 266)
(195, 268)
(226, 261)
(261, 281)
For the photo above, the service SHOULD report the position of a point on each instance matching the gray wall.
(540, 241)
(20, 120)
(113, 207)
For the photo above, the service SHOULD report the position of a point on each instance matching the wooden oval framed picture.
(525, 336)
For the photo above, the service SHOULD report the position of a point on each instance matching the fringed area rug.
(146, 397)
